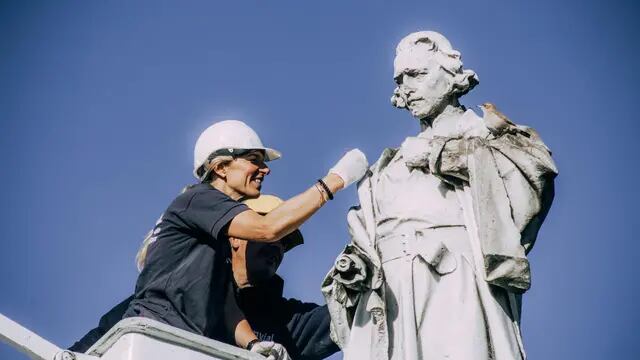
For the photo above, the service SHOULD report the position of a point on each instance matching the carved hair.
(449, 59)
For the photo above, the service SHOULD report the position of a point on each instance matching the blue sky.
(101, 102)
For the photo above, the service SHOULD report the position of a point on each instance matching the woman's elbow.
(268, 232)
(270, 237)
(254, 228)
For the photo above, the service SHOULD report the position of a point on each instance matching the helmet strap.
(235, 153)
(206, 175)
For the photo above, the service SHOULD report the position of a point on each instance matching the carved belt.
(429, 244)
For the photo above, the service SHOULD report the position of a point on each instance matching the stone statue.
(437, 263)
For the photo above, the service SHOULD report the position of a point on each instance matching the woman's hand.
(287, 217)
(352, 167)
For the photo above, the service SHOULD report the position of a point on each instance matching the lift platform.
(130, 339)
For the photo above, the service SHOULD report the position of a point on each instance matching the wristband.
(326, 188)
(252, 343)
(323, 194)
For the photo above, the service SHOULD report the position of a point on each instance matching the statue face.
(423, 85)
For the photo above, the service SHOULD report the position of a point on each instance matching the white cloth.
(351, 167)
(416, 306)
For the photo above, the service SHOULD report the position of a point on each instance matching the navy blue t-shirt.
(186, 275)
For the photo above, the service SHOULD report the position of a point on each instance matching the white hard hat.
(228, 135)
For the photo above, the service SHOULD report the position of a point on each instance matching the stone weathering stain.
(437, 264)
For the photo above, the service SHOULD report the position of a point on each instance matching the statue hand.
(351, 271)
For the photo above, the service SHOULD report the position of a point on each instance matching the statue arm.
(448, 157)
(350, 277)
(528, 173)
(524, 165)
(352, 285)
(508, 179)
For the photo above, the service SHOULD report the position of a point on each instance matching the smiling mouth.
(257, 181)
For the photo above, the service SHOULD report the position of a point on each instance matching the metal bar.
(25, 340)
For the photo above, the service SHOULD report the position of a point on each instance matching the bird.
(497, 123)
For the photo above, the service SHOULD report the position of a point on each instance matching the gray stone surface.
(437, 261)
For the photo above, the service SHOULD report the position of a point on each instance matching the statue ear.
(462, 83)
(455, 87)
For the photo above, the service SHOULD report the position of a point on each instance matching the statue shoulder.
(383, 160)
(471, 125)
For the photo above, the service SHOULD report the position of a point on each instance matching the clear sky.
(101, 103)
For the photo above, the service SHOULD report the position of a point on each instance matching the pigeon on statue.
(498, 123)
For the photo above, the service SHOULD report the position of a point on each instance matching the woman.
(302, 328)
(186, 279)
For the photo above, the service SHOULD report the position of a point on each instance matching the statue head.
(429, 75)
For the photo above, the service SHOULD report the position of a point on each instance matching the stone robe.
(437, 260)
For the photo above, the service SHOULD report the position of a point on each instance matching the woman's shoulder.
(200, 194)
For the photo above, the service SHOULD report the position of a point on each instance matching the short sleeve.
(211, 211)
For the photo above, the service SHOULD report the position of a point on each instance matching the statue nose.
(398, 99)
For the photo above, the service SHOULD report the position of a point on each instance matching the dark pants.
(302, 328)
(106, 322)
(310, 335)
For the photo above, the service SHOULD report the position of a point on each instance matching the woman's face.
(246, 173)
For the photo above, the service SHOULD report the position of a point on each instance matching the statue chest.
(405, 195)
